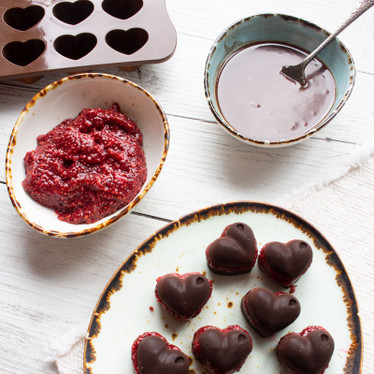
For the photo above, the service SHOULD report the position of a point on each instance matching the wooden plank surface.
(49, 285)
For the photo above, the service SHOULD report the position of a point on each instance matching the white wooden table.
(49, 285)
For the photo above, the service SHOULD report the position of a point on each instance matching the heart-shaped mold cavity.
(22, 54)
(75, 47)
(23, 19)
(73, 13)
(127, 41)
(122, 9)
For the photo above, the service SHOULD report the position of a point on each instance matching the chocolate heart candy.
(183, 296)
(285, 263)
(222, 351)
(235, 252)
(267, 312)
(308, 352)
(152, 354)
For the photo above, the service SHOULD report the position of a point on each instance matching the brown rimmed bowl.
(65, 99)
(283, 29)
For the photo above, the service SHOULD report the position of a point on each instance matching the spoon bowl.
(297, 72)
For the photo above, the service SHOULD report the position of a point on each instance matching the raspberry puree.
(88, 167)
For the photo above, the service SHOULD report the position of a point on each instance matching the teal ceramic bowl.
(282, 29)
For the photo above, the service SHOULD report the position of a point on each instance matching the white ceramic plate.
(65, 99)
(128, 308)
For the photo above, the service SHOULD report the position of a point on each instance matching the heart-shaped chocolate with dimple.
(127, 41)
(73, 13)
(23, 19)
(75, 47)
(25, 53)
(222, 351)
(152, 354)
(183, 296)
(122, 9)
(235, 252)
(308, 352)
(285, 263)
(267, 312)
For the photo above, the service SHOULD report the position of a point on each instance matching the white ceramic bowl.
(65, 99)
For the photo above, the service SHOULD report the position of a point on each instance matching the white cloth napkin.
(341, 206)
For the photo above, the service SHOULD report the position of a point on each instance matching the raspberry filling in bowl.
(88, 167)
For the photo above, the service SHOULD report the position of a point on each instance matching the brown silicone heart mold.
(81, 35)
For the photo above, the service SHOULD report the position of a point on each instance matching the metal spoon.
(297, 72)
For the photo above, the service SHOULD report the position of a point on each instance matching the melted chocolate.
(183, 295)
(235, 252)
(222, 351)
(306, 353)
(285, 263)
(267, 312)
(262, 104)
(153, 355)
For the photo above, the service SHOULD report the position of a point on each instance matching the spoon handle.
(363, 7)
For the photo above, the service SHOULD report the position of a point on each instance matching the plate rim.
(354, 359)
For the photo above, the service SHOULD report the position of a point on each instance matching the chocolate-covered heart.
(222, 351)
(308, 352)
(127, 41)
(75, 47)
(267, 312)
(25, 53)
(285, 263)
(73, 13)
(152, 354)
(23, 19)
(184, 295)
(235, 252)
(122, 9)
